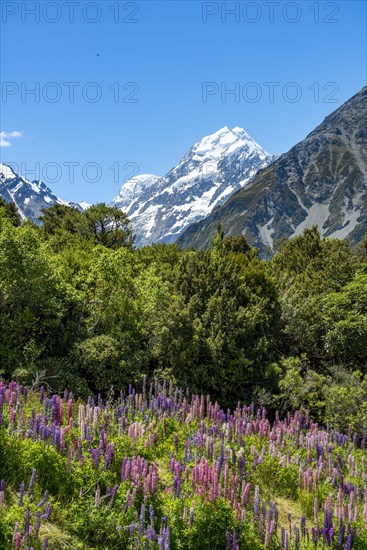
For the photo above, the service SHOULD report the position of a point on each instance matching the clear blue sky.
(168, 53)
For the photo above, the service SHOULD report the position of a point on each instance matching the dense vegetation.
(165, 470)
(81, 308)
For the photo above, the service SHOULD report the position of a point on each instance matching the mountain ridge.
(321, 180)
(212, 169)
(29, 196)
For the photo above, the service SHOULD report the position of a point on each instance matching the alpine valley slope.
(321, 181)
(29, 196)
(160, 209)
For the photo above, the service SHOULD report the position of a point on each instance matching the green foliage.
(307, 269)
(345, 319)
(31, 302)
(99, 224)
(109, 226)
(9, 211)
(338, 398)
(81, 307)
(219, 333)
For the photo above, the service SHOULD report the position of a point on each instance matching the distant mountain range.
(228, 178)
(160, 209)
(29, 196)
(321, 181)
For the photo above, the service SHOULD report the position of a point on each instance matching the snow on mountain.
(133, 189)
(29, 196)
(160, 209)
(84, 205)
(321, 181)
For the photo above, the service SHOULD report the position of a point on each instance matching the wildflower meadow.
(160, 468)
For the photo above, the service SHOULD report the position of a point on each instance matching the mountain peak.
(213, 146)
(28, 196)
(6, 172)
(321, 181)
(216, 166)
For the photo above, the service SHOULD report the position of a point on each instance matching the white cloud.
(4, 137)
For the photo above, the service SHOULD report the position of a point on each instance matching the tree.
(238, 244)
(100, 363)
(345, 319)
(306, 269)
(31, 301)
(218, 335)
(99, 224)
(60, 217)
(10, 212)
(108, 226)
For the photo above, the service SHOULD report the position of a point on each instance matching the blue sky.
(174, 64)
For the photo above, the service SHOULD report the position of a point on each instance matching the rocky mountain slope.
(322, 180)
(29, 196)
(162, 208)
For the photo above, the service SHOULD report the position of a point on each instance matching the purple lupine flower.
(21, 494)
(142, 518)
(38, 524)
(176, 485)
(109, 455)
(220, 459)
(47, 512)
(267, 533)
(43, 501)
(234, 541)
(45, 544)
(257, 500)
(315, 536)
(282, 537)
(15, 531)
(303, 526)
(113, 491)
(27, 522)
(32, 481)
(349, 542)
(341, 534)
(192, 513)
(151, 514)
(241, 465)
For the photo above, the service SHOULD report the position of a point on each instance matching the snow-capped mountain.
(133, 189)
(160, 209)
(321, 181)
(29, 196)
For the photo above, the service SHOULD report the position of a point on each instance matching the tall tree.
(108, 226)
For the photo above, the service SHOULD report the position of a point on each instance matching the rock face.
(28, 196)
(160, 209)
(321, 181)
